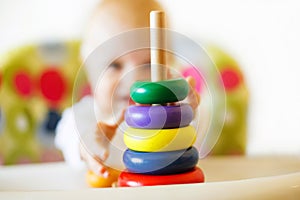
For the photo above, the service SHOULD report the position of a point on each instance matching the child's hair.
(132, 13)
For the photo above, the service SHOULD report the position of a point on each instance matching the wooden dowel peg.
(157, 43)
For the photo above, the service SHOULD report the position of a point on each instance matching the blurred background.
(262, 36)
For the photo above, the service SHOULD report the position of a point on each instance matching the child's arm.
(103, 135)
(67, 140)
(71, 127)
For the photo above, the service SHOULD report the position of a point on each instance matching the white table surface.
(226, 178)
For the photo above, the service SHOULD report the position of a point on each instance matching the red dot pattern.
(52, 85)
(231, 78)
(23, 83)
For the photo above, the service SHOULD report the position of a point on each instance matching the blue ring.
(159, 117)
(157, 163)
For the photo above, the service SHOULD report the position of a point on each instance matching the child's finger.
(106, 130)
(191, 81)
(94, 163)
(193, 96)
(98, 167)
(109, 130)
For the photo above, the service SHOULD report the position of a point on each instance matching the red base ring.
(127, 179)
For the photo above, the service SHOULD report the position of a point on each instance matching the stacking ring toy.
(152, 140)
(158, 117)
(171, 162)
(159, 92)
(127, 179)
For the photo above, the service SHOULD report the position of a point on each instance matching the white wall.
(263, 35)
(37, 20)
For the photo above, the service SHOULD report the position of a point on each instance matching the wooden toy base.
(226, 178)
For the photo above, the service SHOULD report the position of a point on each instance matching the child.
(111, 17)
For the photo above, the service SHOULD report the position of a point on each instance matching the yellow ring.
(155, 140)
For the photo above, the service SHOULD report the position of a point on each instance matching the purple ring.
(159, 117)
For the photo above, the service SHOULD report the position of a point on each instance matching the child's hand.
(193, 97)
(103, 135)
(94, 163)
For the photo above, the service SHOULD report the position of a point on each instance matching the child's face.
(112, 93)
(115, 17)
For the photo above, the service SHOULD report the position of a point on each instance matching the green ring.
(159, 92)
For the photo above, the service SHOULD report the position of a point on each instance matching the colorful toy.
(159, 92)
(232, 140)
(159, 151)
(99, 181)
(166, 162)
(156, 140)
(36, 85)
(127, 179)
(157, 117)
